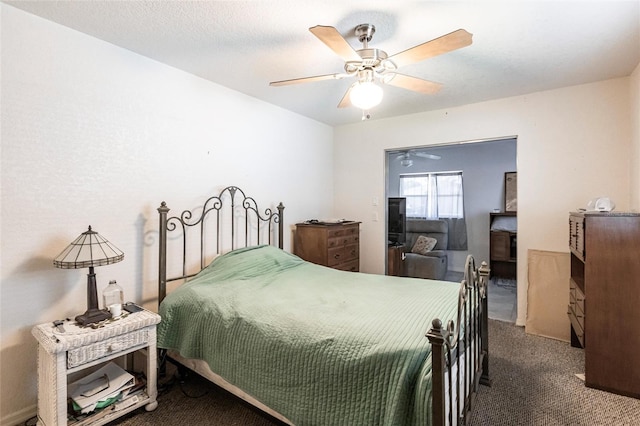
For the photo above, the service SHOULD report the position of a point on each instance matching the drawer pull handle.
(336, 256)
(114, 347)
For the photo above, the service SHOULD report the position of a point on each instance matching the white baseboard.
(19, 417)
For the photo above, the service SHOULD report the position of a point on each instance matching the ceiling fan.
(370, 64)
(406, 161)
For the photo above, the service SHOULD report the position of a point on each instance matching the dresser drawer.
(353, 266)
(342, 240)
(578, 317)
(88, 353)
(576, 236)
(343, 254)
(576, 298)
(577, 322)
(576, 310)
(342, 231)
(579, 301)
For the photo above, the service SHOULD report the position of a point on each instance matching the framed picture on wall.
(511, 192)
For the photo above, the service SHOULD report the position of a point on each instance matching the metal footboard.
(459, 353)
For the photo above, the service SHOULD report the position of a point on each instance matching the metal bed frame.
(460, 357)
(215, 205)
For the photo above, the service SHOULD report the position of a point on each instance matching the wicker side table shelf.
(65, 355)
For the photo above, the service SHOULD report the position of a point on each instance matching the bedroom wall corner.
(93, 134)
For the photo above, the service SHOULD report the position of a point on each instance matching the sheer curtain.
(433, 195)
(437, 196)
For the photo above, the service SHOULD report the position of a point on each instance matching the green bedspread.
(320, 346)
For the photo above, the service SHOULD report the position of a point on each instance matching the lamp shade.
(89, 249)
(365, 95)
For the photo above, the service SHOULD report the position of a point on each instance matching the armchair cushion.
(433, 228)
(424, 245)
(432, 264)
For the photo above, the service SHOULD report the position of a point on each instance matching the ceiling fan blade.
(334, 40)
(412, 83)
(435, 47)
(346, 99)
(308, 79)
(429, 156)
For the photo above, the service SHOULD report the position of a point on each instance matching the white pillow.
(424, 244)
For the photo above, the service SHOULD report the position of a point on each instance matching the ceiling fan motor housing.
(371, 57)
(365, 32)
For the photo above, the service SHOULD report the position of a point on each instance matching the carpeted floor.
(534, 383)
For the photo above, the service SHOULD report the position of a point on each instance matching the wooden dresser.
(336, 245)
(604, 304)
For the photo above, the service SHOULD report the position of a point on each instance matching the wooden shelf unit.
(503, 250)
(604, 304)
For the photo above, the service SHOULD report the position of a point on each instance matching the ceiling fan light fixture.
(371, 64)
(406, 162)
(365, 95)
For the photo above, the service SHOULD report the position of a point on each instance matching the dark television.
(397, 223)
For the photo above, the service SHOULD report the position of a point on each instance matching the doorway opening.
(483, 164)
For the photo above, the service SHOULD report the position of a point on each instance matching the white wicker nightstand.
(61, 355)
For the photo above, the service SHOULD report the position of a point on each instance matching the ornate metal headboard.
(245, 227)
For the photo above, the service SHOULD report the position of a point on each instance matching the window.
(433, 195)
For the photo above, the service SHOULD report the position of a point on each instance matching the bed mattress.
(318, 345)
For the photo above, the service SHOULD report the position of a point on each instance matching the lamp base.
(92, 316)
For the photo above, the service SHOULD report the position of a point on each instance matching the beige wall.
(573, 144)
(96, 135)
(634, 113)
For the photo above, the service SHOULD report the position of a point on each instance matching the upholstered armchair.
(430, 264)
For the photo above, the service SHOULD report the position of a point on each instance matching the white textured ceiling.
(518, 46)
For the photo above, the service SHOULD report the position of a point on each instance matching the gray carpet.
(534, 383)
